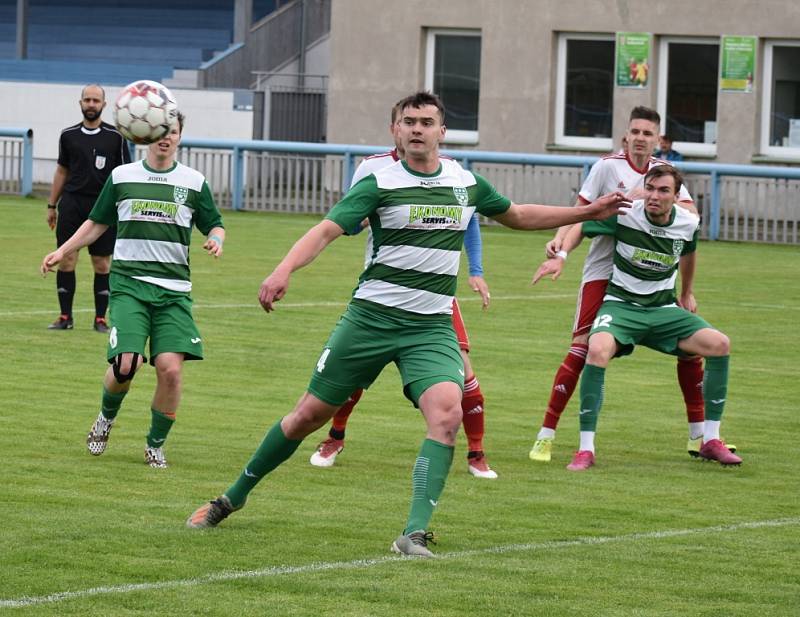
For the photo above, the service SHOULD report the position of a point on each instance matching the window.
(453, 71)
(780, 108)
(585, 91)
(687, 93)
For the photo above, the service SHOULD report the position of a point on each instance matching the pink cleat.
(716, 450)
(582, 460)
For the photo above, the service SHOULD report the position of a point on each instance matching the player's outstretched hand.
(550, 267)
(50, 261)
(214, 246)
(273, 289)
(552, 247)
(609, 205)
(479, 286)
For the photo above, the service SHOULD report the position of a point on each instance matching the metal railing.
(16, 160)
(737, 202)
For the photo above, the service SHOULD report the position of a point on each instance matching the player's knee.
(721, 346)
(125, 366)
(169, 375)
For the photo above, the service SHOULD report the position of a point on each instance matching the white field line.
(221, 577)
(302, 305)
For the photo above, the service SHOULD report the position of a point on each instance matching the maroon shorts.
(461, 329)
(590, 298)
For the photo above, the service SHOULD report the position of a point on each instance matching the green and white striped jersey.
(154, 212)
(418, 223)
(646, 255)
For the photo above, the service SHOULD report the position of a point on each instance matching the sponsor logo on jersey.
(462, 196)
(655, 231)
(435, 215)
(181, 195)
(99, 161)
(158, 209)
(156, 179)
(654, 261)
(621, 185)
(430, 182)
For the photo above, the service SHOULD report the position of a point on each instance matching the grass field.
(648, 531)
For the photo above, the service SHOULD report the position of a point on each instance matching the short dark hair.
(420, 99)
(645, 113)
(659, 171)
(181, 119)
(98, 86)
(396, 109)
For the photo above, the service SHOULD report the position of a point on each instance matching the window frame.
(687, 148)
(605, 144)
(784, 152)
(453, 136)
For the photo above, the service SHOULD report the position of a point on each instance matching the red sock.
(564, 383)
(340, 417)
(690, 377)
(472, 406)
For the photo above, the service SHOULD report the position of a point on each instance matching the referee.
(87, 152)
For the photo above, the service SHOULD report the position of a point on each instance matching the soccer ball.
(145, 111)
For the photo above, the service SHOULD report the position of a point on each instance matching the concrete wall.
(377, 56)
(49, 108)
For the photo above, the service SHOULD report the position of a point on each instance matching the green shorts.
(368, 337)
(140, 311)
(659, 327)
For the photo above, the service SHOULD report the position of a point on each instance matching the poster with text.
(738, 63)
(633, 59)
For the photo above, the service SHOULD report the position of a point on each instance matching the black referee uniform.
(89, 155)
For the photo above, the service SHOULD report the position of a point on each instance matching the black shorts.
(73, 210)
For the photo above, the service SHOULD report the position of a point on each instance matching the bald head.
(93, 100)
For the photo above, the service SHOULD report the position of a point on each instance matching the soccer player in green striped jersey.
(154, 203)
(419, 209)
(640, 307)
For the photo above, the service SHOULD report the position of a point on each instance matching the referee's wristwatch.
(51, 207)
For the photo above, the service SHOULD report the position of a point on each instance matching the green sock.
(715, 386)
(274, 449)
(430, 472)
(592, 390)
(110, 403)
(159, 428)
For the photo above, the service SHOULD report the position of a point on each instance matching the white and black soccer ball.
(145, 111)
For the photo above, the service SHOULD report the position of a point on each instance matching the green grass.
(648, 531)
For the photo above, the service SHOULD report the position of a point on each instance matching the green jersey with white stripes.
(418, 223)
(646, 254)
(154, 212)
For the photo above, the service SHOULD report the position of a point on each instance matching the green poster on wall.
(737, 63)
(633, 57)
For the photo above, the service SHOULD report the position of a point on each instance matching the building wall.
(377, 56)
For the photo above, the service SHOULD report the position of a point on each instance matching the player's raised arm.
(536, 216)
(553, 266)
(304, 251)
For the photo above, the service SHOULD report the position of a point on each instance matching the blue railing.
(467, 158)
(23, 163)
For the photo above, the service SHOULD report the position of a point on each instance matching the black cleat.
(64, 322)
(100, 325)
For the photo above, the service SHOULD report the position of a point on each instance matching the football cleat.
(326, 452)
(582, 460)
(694, 445)
(100, 325)
(716, 450)
(97, 439)
(414, 544)
(212, 513)
(155, 457)
(542, 450)
(64, 322)
(478, 466)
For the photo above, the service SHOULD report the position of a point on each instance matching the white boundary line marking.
(272, 571)
(343, 303)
